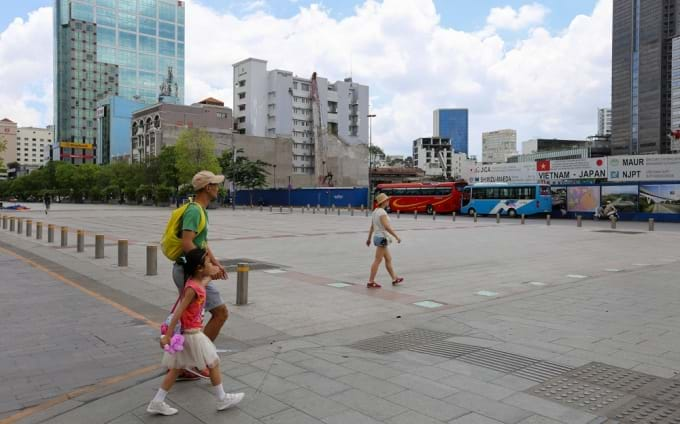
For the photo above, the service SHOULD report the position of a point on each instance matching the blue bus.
(509, 199)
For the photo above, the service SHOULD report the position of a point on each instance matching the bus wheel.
(471, 212)
(429, 210)
(512, 213)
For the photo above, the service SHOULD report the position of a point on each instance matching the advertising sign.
(644, 168)
(70, 145)
(551, 171)
(522, 172)
(69, 156)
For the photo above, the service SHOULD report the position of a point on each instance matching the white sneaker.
(230, 399)
(160, 408)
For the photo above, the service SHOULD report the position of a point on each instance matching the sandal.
(373, 285)
(397, 281)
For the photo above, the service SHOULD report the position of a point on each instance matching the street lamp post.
(274, 176)
(370, 159)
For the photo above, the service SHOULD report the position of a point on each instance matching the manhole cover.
(613, 377)
(230, 264)
(644, 411)
(402, 340)
(574, 393)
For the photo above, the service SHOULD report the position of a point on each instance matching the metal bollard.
(50, 233)
(270, 208)
(12, 224)
(333, 207)
(29, 228)
(280, 209)
(151, 260)
(325, 211)
(242, 283)
(498, 218)
(4, 222)
(122, 253)
(523, 218)
(99, 246)
(579, 221)
(260, 208)
(434, 215)
(398, 213)
(415, 214)
(453, 217)
(64, 236)
(366, 210)
(303, 210)
(80, 241)
(475, 216)
(651, 224)
(547, 219)
(351, 212)
(613, 224)
(338, 211)
(20, 225)
(38, 230)
(313, 211)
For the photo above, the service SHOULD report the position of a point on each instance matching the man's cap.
(204, 178)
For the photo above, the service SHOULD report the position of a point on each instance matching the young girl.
(198, 350)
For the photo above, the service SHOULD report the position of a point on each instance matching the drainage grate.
(499, 361)
(446, 349)
(255, 265)
(644, 411)
(614, 377)
(542, 371)
(618, 232)
(595, 399)
(402, 340)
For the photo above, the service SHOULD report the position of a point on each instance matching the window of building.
(82, 12)
(146, 8)
(241, 107)
(241, 95)
(127, 40)
(166, 48)
(242, 83)
(147, 44)
(242, 119)
(147, 26)
(166, 30)
(180, 33)
(126, 21)
(304, 86)
(147, 62)
(166, 11)
(222, 115)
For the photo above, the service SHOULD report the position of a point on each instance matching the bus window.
(467, 194)
(545, 190)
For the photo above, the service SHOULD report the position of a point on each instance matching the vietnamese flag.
(543, 165)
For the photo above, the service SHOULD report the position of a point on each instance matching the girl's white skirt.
(199, 351)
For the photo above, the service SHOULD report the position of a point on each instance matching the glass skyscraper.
(109, 48)
(452, 124)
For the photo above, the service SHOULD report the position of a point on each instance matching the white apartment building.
(604, 121)
(497, 146)
(462, 166)
(34, 145)
(433, 155)
(279, 103)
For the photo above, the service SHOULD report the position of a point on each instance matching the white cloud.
(546, 84)
(26, 69)
(509, 18)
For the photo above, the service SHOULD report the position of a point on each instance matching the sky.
(540, 67)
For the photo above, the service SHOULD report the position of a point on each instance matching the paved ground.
(516, 306)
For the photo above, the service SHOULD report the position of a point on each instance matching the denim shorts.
(213, 299)
(380, 241)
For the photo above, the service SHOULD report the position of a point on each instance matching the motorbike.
(599, 214)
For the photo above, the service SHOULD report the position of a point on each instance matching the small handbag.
(168, 320)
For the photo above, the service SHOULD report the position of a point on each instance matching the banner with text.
(644, 168)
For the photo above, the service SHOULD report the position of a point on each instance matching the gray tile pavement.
(291, 340)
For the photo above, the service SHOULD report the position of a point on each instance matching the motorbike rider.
(610, 210)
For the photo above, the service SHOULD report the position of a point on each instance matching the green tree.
(3, 147)
(167, 162)
(374, 152)
(195, 151)
(242, 171)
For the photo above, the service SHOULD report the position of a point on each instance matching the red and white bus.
(423, 197)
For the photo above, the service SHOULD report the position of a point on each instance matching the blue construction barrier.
(323, 196)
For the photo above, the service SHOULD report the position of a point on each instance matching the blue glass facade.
(452, 124)
(114, 128)
(107, 48)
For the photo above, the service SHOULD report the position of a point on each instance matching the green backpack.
(171, 243)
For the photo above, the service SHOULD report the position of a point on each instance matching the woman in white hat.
(380, 225)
